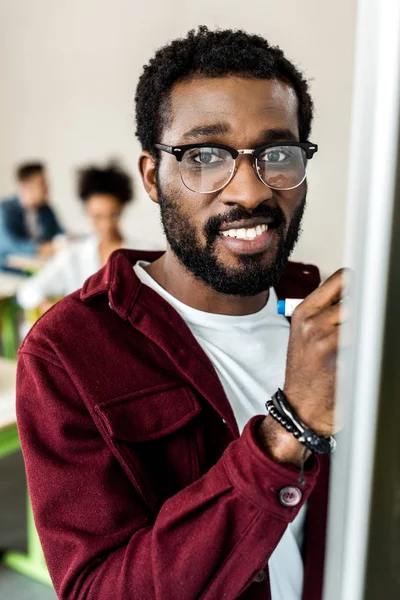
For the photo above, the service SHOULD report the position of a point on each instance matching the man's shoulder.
(10, 203)
(73, 319)
(298, 280)
(64, 325)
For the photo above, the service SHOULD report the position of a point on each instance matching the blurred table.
(25, 263)
(31, 564)
(9, 284)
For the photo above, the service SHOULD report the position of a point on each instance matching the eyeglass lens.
(208, 169)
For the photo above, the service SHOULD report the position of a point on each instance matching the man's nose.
(245, 188)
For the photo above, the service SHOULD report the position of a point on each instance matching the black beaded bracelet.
(280, 410)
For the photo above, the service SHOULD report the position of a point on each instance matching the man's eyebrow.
(215, 129)
(206, 131)
(279, 135)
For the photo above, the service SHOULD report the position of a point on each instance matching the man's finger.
(329, 293)
(333, 316)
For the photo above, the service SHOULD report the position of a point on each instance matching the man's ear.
(147, 169)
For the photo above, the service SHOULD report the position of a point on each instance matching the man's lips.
(261, 243)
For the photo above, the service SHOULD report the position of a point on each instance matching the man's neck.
(185, 287)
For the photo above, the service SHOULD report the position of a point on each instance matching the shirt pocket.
(153, 434)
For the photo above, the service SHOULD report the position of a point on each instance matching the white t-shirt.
(249, 354)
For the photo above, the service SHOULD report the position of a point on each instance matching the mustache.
(273, 213)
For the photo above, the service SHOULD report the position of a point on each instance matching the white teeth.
(245, 234)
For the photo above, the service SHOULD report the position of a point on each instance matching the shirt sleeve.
(101, 541)
(11, 244)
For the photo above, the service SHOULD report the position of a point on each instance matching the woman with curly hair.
(104, 192)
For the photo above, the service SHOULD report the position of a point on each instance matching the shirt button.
(290, 496)
(260, 577)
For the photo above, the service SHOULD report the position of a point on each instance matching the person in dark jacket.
(28, 223)
(154, 468)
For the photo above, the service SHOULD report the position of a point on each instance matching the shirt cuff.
(272, 486)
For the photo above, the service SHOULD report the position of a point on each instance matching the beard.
(251, 276)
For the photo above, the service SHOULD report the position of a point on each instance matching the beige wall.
(68, 72)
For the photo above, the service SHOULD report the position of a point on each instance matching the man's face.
(33, 191)
(242, 113)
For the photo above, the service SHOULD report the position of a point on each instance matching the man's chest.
(250, 364)
(161, 411)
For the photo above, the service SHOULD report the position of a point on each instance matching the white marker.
(286, 307)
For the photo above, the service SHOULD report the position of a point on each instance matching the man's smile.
(251, 240)
(245, 233)
(254, 223)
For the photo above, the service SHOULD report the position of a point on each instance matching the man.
(153, 469)
(27, 222)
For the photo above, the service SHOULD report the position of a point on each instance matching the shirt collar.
(118, 279)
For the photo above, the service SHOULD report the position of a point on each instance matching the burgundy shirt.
(141, 486)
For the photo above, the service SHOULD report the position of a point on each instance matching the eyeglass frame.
(178, 151)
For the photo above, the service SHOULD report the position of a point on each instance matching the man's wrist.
(279, 444)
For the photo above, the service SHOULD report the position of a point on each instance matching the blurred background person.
(28, 224)
(104, 192)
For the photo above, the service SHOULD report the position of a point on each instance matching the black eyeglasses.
(206, 168)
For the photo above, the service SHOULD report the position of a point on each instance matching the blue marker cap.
(281, 307)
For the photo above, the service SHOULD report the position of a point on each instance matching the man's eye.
(274, 156)
(207, 156)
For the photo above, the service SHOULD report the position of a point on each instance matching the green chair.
(8, 330)
(31, 564)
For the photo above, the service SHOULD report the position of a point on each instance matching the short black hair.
(111, 179)
(206, 53)
(27, 170)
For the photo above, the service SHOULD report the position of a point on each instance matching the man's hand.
(310, 369)
(47, 249)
